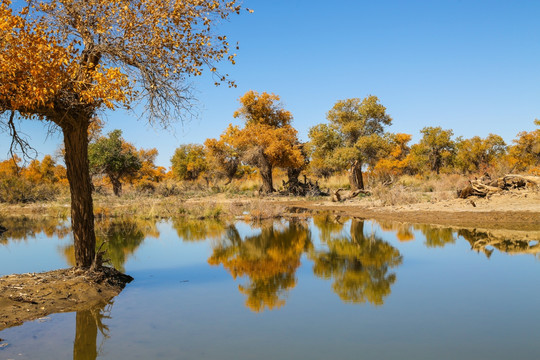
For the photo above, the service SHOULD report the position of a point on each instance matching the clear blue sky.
(468, 65)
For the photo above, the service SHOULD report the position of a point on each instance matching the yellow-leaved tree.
(62, 61)
(267, 140)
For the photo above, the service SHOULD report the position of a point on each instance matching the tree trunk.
(266, 175)
(116, 185)
(355, 176)
(80, 186)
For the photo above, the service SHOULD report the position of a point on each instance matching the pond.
(325, 287)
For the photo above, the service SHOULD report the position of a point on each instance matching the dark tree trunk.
(292, 176)
(355, 176)
(116, 185)
(84, 347)
(80, 186)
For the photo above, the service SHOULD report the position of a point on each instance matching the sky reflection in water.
(326, 287)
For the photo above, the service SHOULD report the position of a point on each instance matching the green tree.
(114, 157)
(63, 61)
(189, 162)
(435, 149)
(323, 142)
(353, 138)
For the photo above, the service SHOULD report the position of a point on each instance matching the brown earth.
(513, 210)
(32, 296)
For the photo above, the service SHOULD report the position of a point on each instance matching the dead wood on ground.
(486, 186)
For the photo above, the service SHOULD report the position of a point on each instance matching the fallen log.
(338, 197)
(486, 186)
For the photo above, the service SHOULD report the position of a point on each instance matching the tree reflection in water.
(358, 264)
(437, 236)
(88, 323)
(507, 241)
(122, 237)
(23, 228)
(199, 230)
(268, 259)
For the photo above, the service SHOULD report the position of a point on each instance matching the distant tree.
(267, 140)
(353, 138)
(394, 159)
(435, 149)
(43, 171)
(189, 162)
(526, 149)
(323, 142)
(10, 167)
(476, 153)
(149, 171)
(114, 157)
(222, 157)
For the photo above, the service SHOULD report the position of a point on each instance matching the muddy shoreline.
(25, 297)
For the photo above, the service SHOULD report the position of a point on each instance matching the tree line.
(353, 140)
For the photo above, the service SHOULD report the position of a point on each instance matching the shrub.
(18, 190)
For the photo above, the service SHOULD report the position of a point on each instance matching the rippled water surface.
(319, 288)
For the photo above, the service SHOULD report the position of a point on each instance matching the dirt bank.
(517, 210)
(32, 296)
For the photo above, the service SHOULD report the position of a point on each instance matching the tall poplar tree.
(62, 61)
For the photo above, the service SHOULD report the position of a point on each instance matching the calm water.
(322, 288)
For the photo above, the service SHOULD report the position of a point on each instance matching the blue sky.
(472, 66)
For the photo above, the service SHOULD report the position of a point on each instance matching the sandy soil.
(33, 296)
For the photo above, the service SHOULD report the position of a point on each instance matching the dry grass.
(335, 182)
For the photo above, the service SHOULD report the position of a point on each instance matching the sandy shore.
(518, 210)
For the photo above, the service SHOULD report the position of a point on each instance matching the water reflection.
(404, 232)
(199, 230)
(24, 228)
(510, 242)
(121, 238)
(356, 259)
(269, 260)
(357, 263)
(88, 323)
